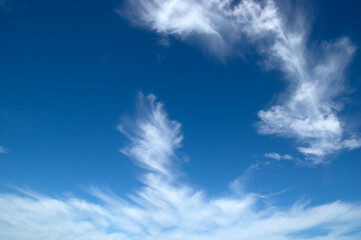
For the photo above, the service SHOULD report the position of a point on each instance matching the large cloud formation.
(166, 208)
(309, 110)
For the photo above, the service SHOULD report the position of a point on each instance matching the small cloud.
(287, 157)
(352, 143)
(3, 150)
(278, 157)
(273, 155)
(255, 166)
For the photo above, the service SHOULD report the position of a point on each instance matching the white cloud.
(278, 157)
(3, 149)
(273, 155)
(153, 137)
(165, 208)
(309, 111)
(287, 157)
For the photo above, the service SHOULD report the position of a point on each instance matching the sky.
(169, 119)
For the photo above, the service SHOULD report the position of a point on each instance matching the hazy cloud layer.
(165, 208)
(309, 110)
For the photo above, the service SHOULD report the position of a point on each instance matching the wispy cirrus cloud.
(153, 137)
(166, 208)
(309, 111)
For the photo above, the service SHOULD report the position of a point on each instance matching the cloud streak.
(166, 208)
(309, 110)
(278, 157)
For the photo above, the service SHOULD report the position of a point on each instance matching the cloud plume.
(309, 112)
(166, 208)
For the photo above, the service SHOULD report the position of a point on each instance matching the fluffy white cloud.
(309, 111)
(165, 208)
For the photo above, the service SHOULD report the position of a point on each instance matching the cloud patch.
(3, 149)
(166, 208)
(309, 111)
(278, 157)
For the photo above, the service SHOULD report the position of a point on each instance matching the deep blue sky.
(70, 69)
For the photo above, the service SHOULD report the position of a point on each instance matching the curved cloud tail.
(310, 111)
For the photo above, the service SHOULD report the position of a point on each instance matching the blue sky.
(166, 119)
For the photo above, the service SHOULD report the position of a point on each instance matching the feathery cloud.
(166, 208)
(309, 112)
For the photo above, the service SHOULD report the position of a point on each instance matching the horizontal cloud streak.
(277, 156)
(165, 208)
(309, 111)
